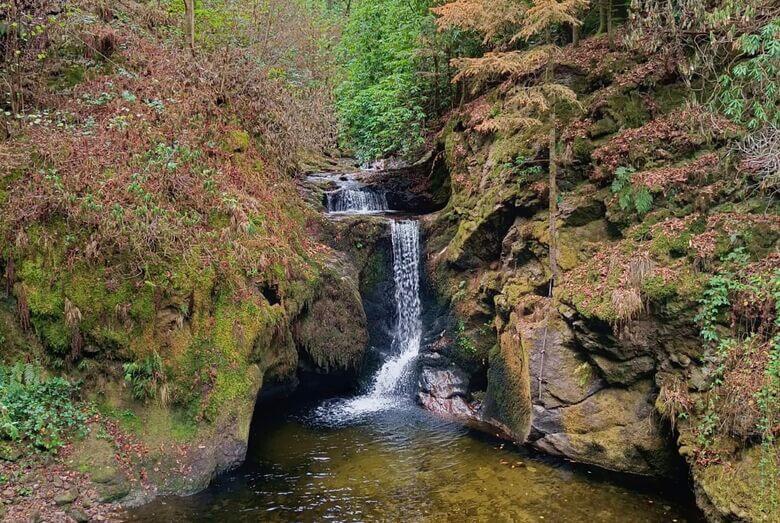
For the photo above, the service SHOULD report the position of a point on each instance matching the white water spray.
(356, 201)
(387, 386)
(406, 274)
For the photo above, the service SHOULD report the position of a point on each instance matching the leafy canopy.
(381, 99)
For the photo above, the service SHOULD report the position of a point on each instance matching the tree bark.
(553, 182)
(602, 16)
(189, 23)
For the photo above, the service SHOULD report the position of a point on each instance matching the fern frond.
(544, 14)
(32, 374)
(491, 18)
(560, 92)
(499, 64)
(529, 100)
(507, 123)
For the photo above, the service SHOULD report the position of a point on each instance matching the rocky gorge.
(207, 312)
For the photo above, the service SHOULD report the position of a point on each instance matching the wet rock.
(624, 372)
(478, 240)
(67, 497)
(444, 383)
(507, 403)
(582, 208)
(444, 388)
(420, 188)
(614, 428)
(78, 515)
(565, 376)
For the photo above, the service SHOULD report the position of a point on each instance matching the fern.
(144, 376)
(640, 199)
(643, 200)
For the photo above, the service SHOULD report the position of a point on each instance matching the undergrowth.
(37, 409)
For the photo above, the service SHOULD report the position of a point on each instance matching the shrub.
(38, 409)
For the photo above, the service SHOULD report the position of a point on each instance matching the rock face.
(607, 366)
(444, 388)
(331, 334)
(419, 188)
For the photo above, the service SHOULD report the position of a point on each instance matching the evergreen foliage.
(38, 409)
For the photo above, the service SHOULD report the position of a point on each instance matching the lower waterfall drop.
(406, 276)
(387, 387)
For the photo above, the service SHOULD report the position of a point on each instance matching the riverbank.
(406, 463)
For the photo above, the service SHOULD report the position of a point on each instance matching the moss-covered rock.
(332, 333)
(508, 396)
(741, 489)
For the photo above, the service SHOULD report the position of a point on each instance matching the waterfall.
(387, 387)
(406, 341)
(356, 201)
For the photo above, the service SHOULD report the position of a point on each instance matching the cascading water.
(388, 383)
(406, 342)
(356, 201)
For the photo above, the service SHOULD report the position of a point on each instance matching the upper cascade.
(356, 201)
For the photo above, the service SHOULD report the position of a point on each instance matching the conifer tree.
(495, 20)
(531, 101)
(539, 21)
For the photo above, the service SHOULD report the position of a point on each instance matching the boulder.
(332, 333)
(614, 428)
(507, 403)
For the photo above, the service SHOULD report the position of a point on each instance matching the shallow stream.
(308, 463)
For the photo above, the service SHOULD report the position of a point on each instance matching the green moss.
(70, 76)
(656, 289)
(374, 271)
(42, 290)
(54, 334)
(508, 394)
(582, 149)
(236, 141)
(670, 246)
(671, 96)
(629, 110)
(238, 324)
(14, 343)
(231, 386)
(735, 487)
(218, 220)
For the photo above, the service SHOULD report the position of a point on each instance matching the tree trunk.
(189, 23)
(553, 180)
(575, 34)
(553, 168)
(602, 16)
(610, 32)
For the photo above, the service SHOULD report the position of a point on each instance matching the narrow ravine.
(377, 455)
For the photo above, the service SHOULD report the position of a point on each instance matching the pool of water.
(310, 461)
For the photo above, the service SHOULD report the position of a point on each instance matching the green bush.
(383, 97)
(36, 409)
